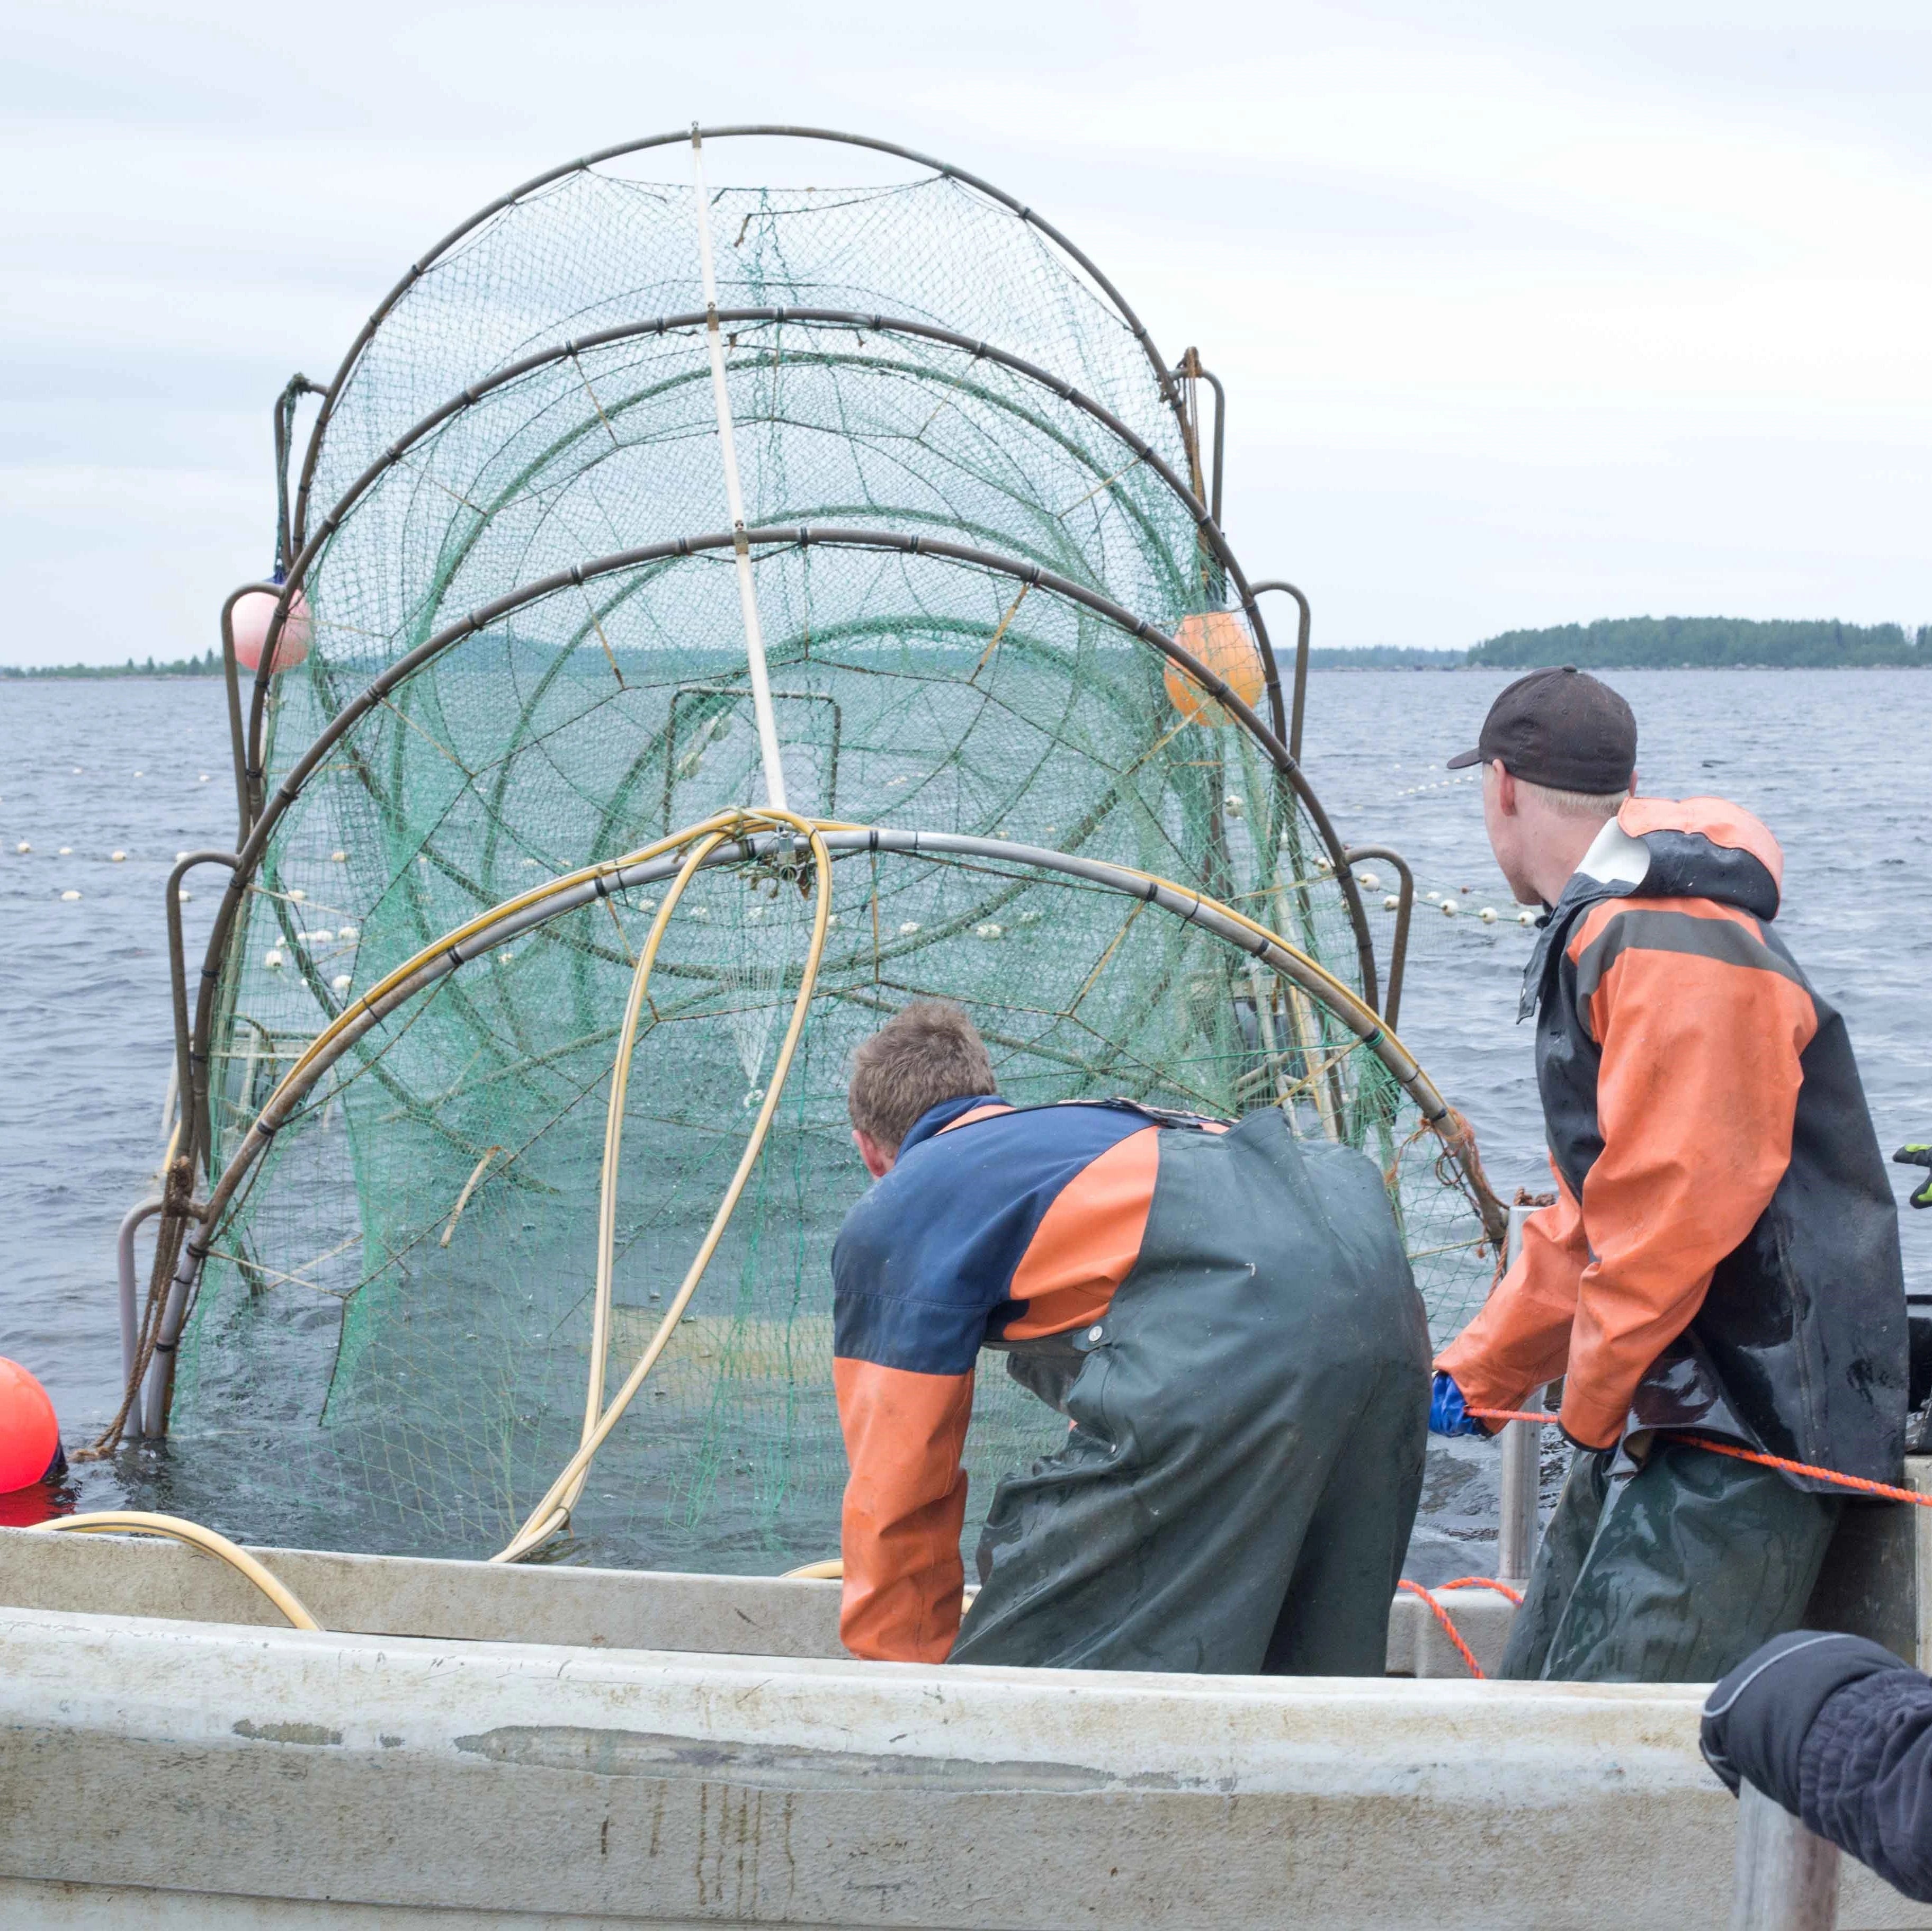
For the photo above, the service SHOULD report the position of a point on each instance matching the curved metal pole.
(528, 910)
(515, 917)
(238, 743)
(124, 1251)
(802, 537)
(297, 386)
(1206, 524)
(1220, 439)
(157, 1392)
(945, 170)
(1301, 663)
(185, 1058)
(1399, 945)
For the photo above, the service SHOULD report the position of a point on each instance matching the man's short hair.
(1598, 804)
(927, 1054)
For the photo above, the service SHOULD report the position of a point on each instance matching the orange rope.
(1809, 1470)
(1441, 1614)
(1449, 1629)
(1484, 1582)
(1857, 1481)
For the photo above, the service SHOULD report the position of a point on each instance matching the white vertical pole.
(1521, 1448)
(1785, 1879)
(1918, 1478)
(747, 598)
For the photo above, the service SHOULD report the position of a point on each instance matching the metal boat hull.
(160, 1770)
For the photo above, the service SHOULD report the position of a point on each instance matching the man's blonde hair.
(1598, 804)
(927, 1054)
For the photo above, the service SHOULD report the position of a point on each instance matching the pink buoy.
(250, 619)
(29, 1434)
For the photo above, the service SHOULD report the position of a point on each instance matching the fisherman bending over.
(1722, 1260)
(1226, 1317)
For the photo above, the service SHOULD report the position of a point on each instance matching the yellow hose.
(294, 1080)
(135, 1521)
(1362, 1018)
(551, 1513)
(614, 1138)
(698, 841)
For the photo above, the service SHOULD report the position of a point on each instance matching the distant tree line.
(1635, 643)
(208, 665)
(1610, 643)
(1374, 657)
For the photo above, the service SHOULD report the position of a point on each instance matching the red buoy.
(29, 1434)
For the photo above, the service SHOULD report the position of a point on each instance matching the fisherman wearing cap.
(1721, 1262)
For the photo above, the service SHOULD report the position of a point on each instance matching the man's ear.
(878, 1161)
(1507, 801)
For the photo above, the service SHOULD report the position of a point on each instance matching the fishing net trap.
(708, 618)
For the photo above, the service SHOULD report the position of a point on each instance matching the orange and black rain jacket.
(997, 1225)
(1723, 1254)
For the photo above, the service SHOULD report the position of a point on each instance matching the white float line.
(1451, 906)
(1440, 784)
(1450, 903)
(748, 596)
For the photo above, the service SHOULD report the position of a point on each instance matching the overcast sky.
(1529, 313)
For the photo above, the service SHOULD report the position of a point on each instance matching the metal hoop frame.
(192, 1041)
(944, 169)
(529, 910)
(249, 756)
(766, 540)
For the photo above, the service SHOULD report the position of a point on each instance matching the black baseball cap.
(1561, 728)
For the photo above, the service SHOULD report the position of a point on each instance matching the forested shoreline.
(1610, 643)
(207, 666)
(1671, 643)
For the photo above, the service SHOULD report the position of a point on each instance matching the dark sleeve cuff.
(1757, 1719)
(1588, 1447)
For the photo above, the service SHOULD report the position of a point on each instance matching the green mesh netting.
(391, 1340)
(430, 1282)
(603, 248)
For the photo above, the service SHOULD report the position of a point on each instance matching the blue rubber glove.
(1447, 1414)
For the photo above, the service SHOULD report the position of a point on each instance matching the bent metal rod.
(662, 859)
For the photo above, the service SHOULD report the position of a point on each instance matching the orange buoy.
(29, 1434)
(1219, 641)
(251, 617)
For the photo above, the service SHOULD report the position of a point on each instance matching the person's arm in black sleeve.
(1839, 1731)
(1866, 1777)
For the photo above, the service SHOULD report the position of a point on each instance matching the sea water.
(1835, 761)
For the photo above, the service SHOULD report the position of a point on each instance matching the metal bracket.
(1399, 945)
(1299, 708)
